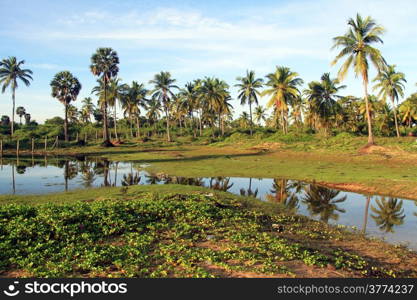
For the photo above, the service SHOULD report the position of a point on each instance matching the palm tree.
(249, 91)
(356, 44)
(10, 72)
(87, 108)
(65, 87)
(213, 97)
(163, 91)
(27, 119)
(5, 120)
(188, 95)
(153, 113)
(391, 84)
(20, 111)
(408, 110)
(322, 98)
(104, 63)
(260, 114)
(133, 100)
(283, 89)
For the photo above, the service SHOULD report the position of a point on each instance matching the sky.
(191, 39)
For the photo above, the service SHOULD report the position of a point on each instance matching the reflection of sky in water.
(40, 180)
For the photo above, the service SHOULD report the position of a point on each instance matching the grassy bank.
(180, 231)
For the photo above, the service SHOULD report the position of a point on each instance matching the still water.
(393, 219)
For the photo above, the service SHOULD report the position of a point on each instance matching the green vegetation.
(132, 232)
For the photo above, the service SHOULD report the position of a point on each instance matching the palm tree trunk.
(395, 117)
(250, 114)
(106, 129)
(167, 116)
(14, 104)
(201, 125)
(66, 123)
(115, 121)
(138, 126)
(220, 120)
(368, 115)
(131, 128)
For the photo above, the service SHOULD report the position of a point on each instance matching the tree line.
(205, 102)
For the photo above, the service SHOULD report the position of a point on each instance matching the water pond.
(393, 219)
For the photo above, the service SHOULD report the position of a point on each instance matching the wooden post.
(33, 145)
(17, 147)
(46, 142)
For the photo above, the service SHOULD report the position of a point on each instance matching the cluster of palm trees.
(206, 102)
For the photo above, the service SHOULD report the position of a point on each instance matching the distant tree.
(65, 87)
(87, 109)
(356, 46)
(5, 121)
(260, 114)
(249, 91)
(27, 119)
(104, 63)
(10, 72)
(20, 111)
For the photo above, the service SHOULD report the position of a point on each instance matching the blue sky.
(191, 39)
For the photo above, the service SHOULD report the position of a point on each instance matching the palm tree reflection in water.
(388, 214)
(323, 202)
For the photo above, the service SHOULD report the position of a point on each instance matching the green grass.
(171, 231)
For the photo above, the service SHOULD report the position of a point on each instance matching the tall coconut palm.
(65, 87)
(104, 63)
(390, 84)
(164, 91)
(20, 111)
(357, 47)
(249, 91)
(10, 73)
(260, 114)
(283, 88)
